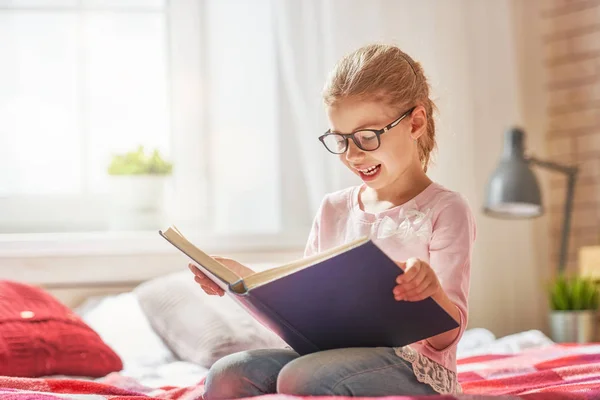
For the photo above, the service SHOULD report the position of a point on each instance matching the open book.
(338, 298)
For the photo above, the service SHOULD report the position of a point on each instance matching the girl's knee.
(245, 374)
(224, 379)
(291, 379)
(301, 377)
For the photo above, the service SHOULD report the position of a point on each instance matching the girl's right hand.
(209, 286)
(205, 283)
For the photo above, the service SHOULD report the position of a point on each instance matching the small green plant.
(139, 163)
(573, 294)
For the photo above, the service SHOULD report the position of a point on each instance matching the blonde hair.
(385, 73)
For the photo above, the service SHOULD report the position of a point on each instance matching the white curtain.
(305, 54)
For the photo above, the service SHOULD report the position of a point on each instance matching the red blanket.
(554, 373)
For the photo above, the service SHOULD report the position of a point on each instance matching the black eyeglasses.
(364, 139)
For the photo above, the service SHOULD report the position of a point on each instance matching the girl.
(382, 129)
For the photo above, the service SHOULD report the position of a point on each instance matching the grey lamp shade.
(513, 190)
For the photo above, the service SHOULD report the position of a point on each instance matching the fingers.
(414, 279)
(411, 270)
(417, 283)
(222, 260)
(423, 291)
(196, 271)
(209, 288)
(205, 283)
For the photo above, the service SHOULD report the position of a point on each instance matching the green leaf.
(559, 296)
(139, 163)
(573, 293)
(576, 292)
(591, 295)
(595, 299)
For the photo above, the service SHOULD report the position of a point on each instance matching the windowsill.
(109, 259)
(23, 245)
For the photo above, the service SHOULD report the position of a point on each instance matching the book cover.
(345, 301)
(341, 298)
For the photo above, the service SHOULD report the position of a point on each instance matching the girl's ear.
(418, 122)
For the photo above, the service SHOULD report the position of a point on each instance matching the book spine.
(271, 320)
(238, 287)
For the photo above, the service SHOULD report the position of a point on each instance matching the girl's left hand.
(418, 281)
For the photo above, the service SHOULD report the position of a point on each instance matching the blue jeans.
(344, 372)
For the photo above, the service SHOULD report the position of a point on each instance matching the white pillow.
(473, 339)
(122, 324)
(197, 327)
(479, 341)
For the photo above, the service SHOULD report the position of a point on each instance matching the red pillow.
(40, 336)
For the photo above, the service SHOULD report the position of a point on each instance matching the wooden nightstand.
(589, 261)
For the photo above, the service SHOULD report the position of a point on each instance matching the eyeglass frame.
(377, 132)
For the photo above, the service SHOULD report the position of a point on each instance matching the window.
(84, 79)
(81, 80)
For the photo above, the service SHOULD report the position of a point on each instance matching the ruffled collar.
(406, 222)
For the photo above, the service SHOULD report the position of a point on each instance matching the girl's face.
(397, 155)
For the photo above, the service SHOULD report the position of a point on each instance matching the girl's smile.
(369, 173)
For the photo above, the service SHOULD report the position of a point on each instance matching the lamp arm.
(564, 241)
(571, 173)
(565, 169)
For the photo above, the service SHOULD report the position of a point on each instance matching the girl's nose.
(353, 153)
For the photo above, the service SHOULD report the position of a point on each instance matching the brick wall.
(571, 40)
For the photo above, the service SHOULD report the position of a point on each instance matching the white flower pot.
(573, 326)
(137, 201)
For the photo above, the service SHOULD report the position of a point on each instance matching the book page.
(260, 278)
(216, 271)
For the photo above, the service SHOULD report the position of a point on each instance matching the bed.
(167, 334)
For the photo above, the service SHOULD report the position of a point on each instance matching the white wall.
(506, 289)
(532, 81)
(493, 75)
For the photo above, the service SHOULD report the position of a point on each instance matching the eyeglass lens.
(338, 144)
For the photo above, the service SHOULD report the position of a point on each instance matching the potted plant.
(137, 189)
(573, 302)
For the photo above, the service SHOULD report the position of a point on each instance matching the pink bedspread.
(554, 373)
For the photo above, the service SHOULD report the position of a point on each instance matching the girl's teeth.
(370, 171)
